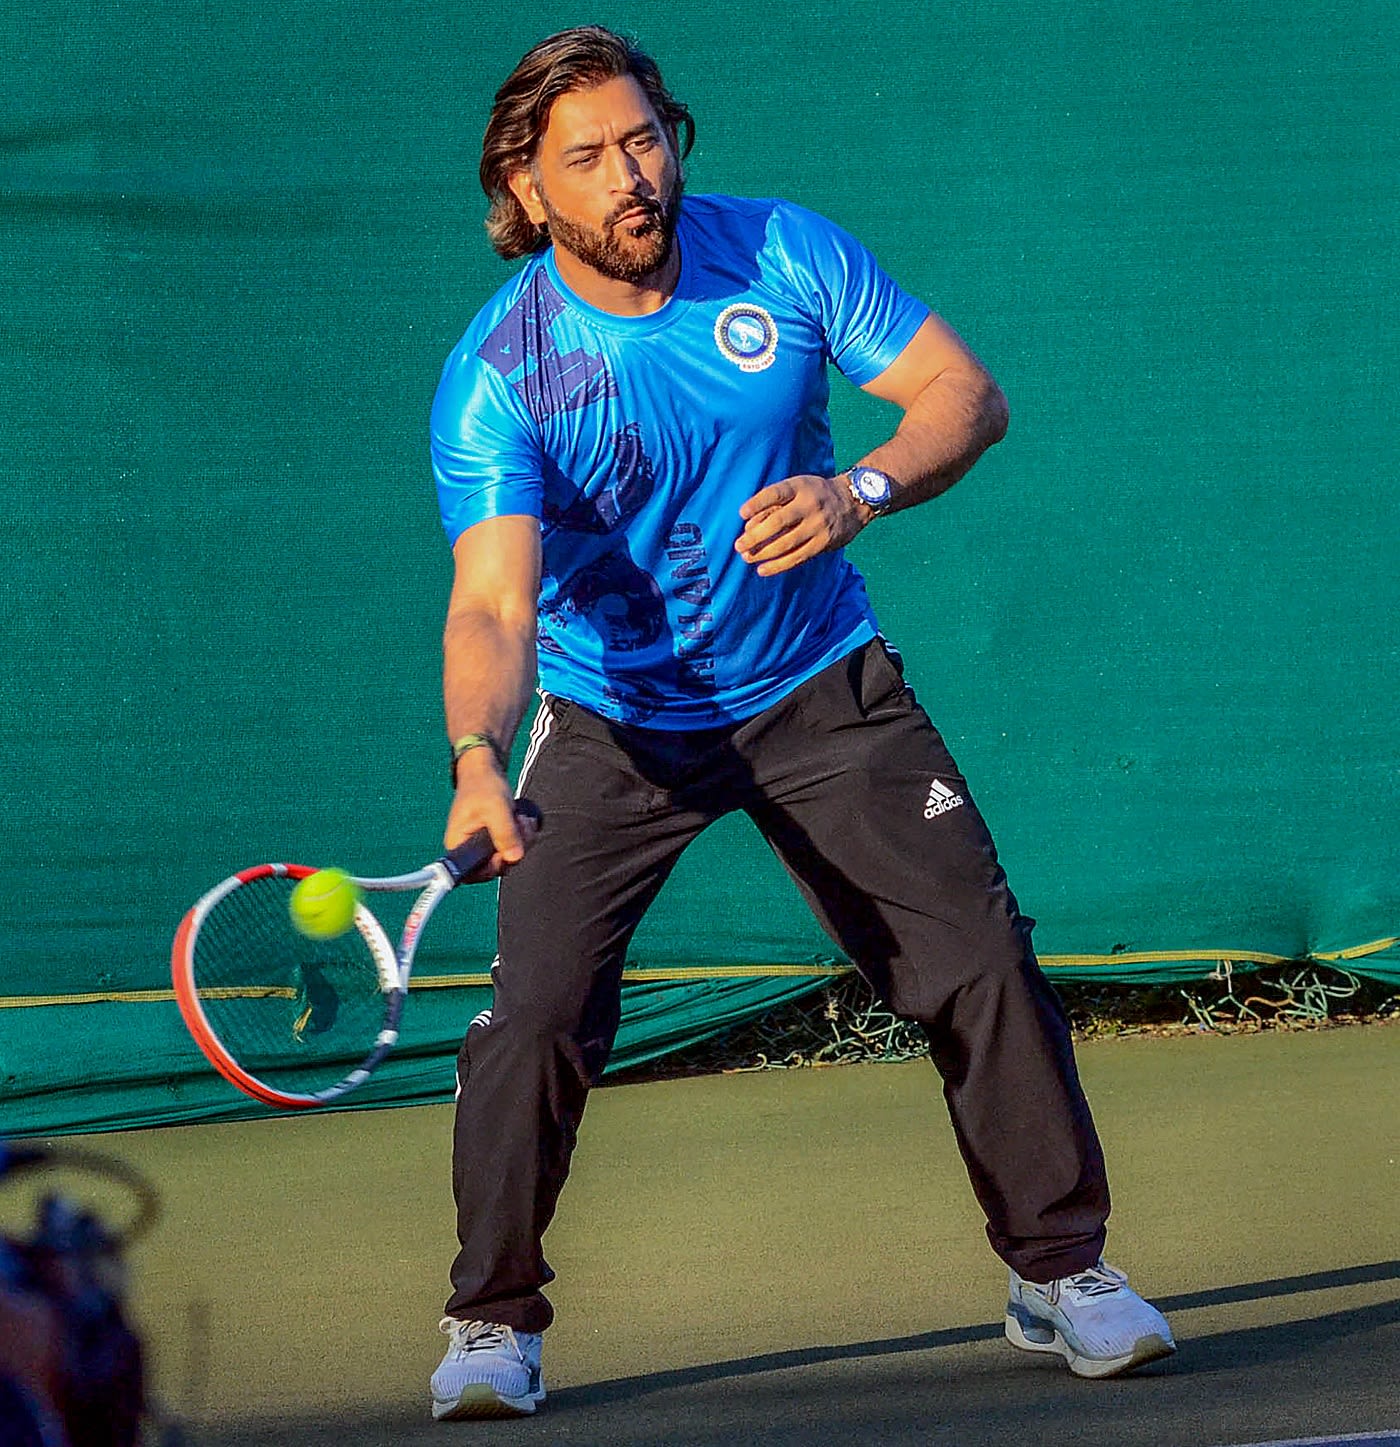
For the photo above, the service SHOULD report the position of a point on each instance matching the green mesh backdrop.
(1157, 625)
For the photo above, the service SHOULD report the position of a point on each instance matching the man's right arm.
(489, 672)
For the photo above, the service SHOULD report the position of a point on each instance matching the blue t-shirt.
(635, 440)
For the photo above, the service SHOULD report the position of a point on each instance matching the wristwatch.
(872, 487)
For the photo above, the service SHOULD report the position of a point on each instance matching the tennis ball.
(323, 904)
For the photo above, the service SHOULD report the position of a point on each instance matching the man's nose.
(624, 169)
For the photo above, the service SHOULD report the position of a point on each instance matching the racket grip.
(476, 849)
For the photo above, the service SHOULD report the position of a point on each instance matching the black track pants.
(854, 790)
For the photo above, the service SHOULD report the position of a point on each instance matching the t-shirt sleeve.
(867, 319)
(485, 449)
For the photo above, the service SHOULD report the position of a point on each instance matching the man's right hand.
(484, 800)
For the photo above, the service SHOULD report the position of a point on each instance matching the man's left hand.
(790, 521)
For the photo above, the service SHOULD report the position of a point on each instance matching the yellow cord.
(684, 974)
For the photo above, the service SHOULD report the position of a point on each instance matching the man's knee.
(989, 962)
(534, 1029)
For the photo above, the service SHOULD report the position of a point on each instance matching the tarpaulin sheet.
(1157, 625)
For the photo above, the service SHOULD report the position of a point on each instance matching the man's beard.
(630, 253)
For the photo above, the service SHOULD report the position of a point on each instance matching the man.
(635, 470)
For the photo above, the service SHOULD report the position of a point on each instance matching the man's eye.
(582, 162)
(643, 143)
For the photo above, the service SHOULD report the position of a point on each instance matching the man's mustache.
(649, 204)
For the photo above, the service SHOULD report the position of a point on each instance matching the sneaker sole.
(480, 1401)
(1150, 1348)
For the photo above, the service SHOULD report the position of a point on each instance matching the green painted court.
(766, 1259)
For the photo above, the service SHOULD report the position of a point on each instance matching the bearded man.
(636, 473)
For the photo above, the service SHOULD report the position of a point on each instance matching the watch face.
(871, 487)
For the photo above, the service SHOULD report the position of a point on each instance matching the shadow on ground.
(963, 1386)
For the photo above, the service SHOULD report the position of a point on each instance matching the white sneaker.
(1093, 1319)
(489, 1371)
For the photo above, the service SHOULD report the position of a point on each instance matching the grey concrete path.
(795, 1258)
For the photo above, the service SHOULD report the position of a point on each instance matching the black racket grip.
(475, 850)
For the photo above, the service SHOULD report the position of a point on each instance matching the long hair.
(572, 60)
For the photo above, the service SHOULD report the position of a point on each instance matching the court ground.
(795, 1257)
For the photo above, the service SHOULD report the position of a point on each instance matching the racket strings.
(295, 1012)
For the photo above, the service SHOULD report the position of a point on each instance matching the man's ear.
(523, 188)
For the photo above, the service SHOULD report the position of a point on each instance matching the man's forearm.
(488, 673)
(946, 428)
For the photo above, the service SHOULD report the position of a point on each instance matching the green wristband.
(468, 742)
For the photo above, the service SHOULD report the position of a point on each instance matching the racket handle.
(476, 849)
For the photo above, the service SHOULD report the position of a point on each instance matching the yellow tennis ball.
(323, 904)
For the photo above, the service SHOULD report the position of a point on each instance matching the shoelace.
(478, 1336)
(1098, 1280)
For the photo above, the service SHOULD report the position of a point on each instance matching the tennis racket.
(297, 1022)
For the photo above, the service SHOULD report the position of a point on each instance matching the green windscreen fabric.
(1157, 625)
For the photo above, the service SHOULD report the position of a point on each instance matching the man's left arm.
(953, 412)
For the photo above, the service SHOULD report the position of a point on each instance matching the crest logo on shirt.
(748, 336)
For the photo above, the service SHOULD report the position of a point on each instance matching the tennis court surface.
(795, 1257)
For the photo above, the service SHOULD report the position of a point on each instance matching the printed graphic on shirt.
(545, 641)
(616, 598)
(631, 484)
(625, 606)
(559, 381)
(692, 586)
(748, 336)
